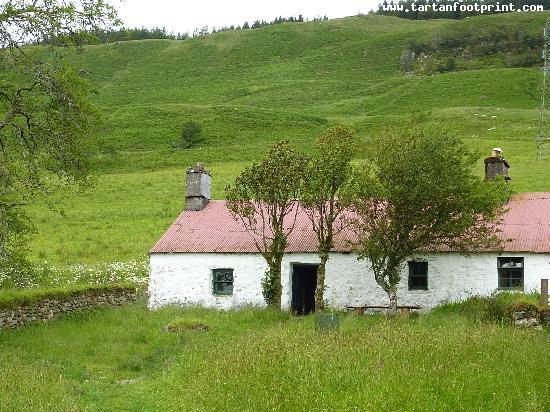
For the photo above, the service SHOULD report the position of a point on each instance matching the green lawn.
(251, 88)
(255, 360)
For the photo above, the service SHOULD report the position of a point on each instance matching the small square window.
(418, 275)
(510, 272)
(222, 281)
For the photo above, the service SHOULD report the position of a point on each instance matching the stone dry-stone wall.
(49, 308)
(526, 319)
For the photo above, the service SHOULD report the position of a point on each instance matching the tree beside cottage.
(208, 258)
(421, 194)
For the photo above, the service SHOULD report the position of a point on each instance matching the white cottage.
(207, 258)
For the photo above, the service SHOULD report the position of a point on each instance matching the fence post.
(544, 292)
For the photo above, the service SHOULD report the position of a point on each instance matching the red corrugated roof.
(525, 228)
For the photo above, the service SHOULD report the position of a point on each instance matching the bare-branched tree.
(264, 199)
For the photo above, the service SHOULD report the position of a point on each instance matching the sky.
(184, 16)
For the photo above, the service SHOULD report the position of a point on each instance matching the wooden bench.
(405, 309)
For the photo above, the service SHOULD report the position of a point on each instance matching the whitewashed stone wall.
(186, 279)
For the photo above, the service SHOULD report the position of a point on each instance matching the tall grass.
(263, 360)
(496, 307)
(45, 275)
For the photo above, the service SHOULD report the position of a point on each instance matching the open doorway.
(304, 281)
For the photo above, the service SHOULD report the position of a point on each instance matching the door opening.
(304, 281)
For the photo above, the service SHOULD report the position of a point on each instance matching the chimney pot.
(496, 165)
(496, 152)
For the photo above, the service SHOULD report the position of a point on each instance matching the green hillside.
(251, 88)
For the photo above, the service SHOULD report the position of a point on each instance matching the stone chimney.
(496, 165)
(197, 188)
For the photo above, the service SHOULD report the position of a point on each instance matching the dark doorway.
(304, 281)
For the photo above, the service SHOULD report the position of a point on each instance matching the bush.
(497, 307)
(530, 309)
(191, 134)
(449, 66)
(522, 60)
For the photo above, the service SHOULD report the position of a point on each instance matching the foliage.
(191, 134)
(271, 286)
(103, 36)
(523, 305)
(14, 232)
(469, 47)
(262, 23)
(129, 34)
(260, 360)
(326, 175)
(264, 199)
(417, 191)
(496, 307)
(45, 112)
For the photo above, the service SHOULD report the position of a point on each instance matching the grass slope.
(254, 360)
(249, 89)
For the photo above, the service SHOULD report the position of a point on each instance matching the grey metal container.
(327, 321)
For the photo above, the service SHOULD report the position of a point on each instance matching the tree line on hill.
(451, 9)
(262, 23)
(102, 36)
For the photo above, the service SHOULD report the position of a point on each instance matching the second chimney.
(496, 165)
(197, 188)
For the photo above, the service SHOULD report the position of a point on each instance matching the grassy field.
(256, 360)
(249, 89)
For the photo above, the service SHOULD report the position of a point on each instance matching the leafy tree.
(417, 190)
(45, 114)
(327, 174)
(191, 133)
(15, 230)
(264, 200)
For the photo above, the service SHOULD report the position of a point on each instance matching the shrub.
(449, 66)
(527, 59)
(496, 307)
(530, 309)
(191, 134)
